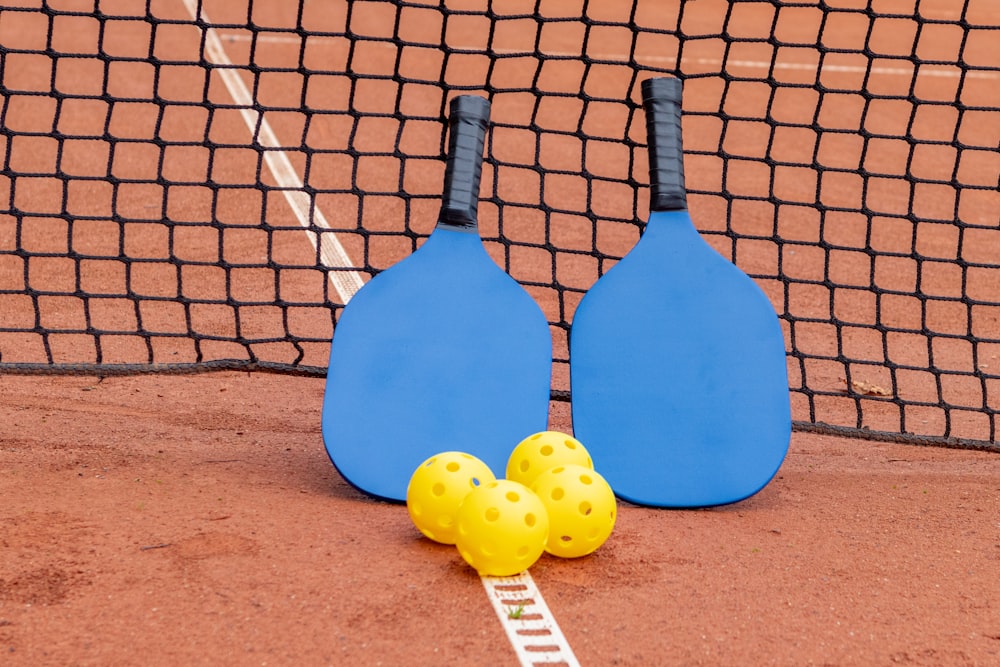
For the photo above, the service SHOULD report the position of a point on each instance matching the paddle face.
(442, 351)
(677, 359)
(680, 388)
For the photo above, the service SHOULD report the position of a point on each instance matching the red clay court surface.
(196, 520)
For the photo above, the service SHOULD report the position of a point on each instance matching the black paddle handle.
(661, 99)
(468, 119)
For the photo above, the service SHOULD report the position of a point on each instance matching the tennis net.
(191, 185)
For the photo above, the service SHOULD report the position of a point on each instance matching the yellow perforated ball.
(438, 487)
(581, 508)
(502, 528)
(541, 451)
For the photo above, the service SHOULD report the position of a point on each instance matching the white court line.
(331, 252)
(942, 71)
(935, 70)
(530, 626)
(535, 635)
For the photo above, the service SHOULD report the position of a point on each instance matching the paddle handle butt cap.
(468, 119)
(661, 100)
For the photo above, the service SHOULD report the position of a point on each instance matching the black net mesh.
(194, 185)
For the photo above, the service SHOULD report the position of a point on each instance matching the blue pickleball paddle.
(677, 359)
(442, 351)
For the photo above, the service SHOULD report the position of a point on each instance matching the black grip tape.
(661, 99)
(468, 119)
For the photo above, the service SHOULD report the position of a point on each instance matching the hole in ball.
(557, 493)
(474, 481)
(586, 479)
(523, 551)
(530, 519)
(438, 489)
(585, 508)
(570, 444)
(513, 497)
(452, 466)
(524, 466)
(492, 514)
(546, 450)
(566, 538)
(558, 470)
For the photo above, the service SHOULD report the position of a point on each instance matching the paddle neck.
(468, 118)
(661, 100)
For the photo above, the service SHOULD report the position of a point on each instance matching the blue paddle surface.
(442, 351)
(678, 374)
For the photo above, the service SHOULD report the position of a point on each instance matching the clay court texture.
(161, 520)
(180, 195)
